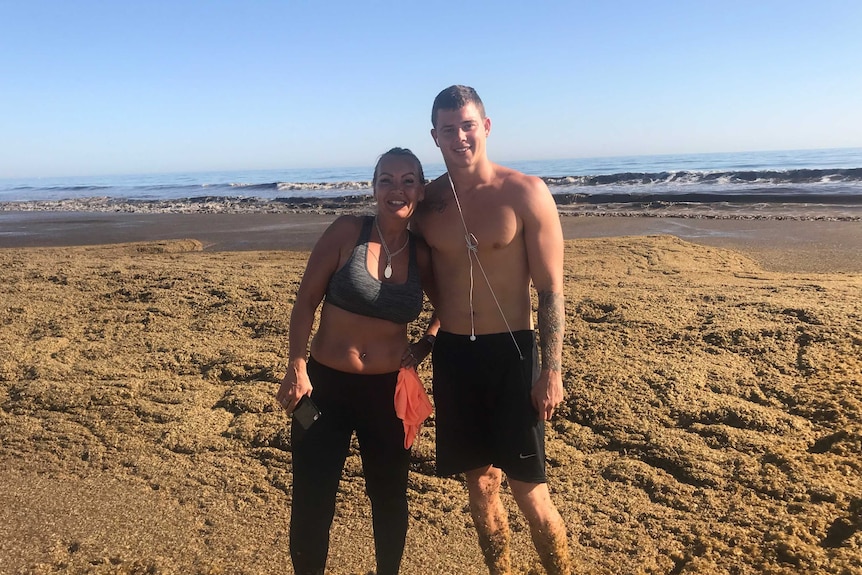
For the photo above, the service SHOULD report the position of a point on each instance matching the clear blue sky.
(90, 87)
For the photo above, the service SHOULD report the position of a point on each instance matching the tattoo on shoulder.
(552, 322)
(435, 204)
(434, 201)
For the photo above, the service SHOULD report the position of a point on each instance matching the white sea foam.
(795, 180)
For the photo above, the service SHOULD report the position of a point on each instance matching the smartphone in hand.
(306, 412)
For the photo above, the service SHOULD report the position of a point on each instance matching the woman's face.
(399, 187)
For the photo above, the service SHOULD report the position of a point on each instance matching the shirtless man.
(490, 237)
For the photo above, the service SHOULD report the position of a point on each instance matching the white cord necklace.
(387, 271)
(473, 252)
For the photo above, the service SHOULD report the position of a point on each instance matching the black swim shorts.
(484, 414)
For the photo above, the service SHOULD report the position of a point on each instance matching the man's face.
(460, 134)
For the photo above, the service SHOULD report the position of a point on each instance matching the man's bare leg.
(546, 526)
(490, 518)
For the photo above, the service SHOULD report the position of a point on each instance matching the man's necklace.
(387, 271)
(473, 254)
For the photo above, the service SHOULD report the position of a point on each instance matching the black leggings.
(348, 402)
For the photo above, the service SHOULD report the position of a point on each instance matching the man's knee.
(483, 486)
(484, 480)
(533, 499)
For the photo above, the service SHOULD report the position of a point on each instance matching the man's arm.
(543, 236)
(552, 322)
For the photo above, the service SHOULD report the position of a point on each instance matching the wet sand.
(712, 424)
(818, 245)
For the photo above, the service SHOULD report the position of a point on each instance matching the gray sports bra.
(354, 289)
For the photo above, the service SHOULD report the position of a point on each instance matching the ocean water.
(806, 184)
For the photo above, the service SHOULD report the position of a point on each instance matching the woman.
(371, 271)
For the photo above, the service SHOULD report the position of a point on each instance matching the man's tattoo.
(552, 323)
(434, 201)
(437, 204)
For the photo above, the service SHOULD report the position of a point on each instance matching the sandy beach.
(712, 424)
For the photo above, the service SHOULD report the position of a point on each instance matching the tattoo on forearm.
(552, 323)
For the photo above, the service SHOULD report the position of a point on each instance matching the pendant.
(387, 271)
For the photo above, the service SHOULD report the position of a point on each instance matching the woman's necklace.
(387, 271)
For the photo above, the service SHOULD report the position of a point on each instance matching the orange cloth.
(411, 403)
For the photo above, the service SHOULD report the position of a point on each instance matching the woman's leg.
(385, 463)
(318, 459)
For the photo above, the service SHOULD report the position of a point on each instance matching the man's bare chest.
(492, 227)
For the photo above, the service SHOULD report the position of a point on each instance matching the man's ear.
(487, 123)
(434, 137)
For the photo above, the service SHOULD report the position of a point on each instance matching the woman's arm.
(325, 259)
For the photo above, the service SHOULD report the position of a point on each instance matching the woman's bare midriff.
(356, 343)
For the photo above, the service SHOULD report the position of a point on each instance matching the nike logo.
(522, 456)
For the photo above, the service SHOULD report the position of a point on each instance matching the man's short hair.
(455, 98)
